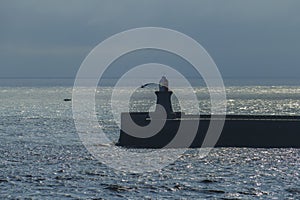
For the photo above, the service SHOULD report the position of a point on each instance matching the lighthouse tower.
(164, 97)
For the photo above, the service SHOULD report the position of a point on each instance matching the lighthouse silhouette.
(164, 97)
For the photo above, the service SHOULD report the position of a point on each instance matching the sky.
(246, 39)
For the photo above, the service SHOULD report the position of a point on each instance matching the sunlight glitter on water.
(42, 156)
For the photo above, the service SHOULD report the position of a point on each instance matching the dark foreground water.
(41, 155)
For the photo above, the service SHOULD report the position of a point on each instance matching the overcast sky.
(246, 38)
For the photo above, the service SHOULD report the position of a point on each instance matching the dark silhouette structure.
(257, 131)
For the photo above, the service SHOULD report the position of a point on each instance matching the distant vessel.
(254, 131)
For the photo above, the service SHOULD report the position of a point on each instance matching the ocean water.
(42, 157)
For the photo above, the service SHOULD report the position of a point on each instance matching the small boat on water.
(252, 131)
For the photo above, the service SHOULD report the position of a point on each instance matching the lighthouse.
(164, 97)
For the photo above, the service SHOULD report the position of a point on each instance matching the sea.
(43, 157)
